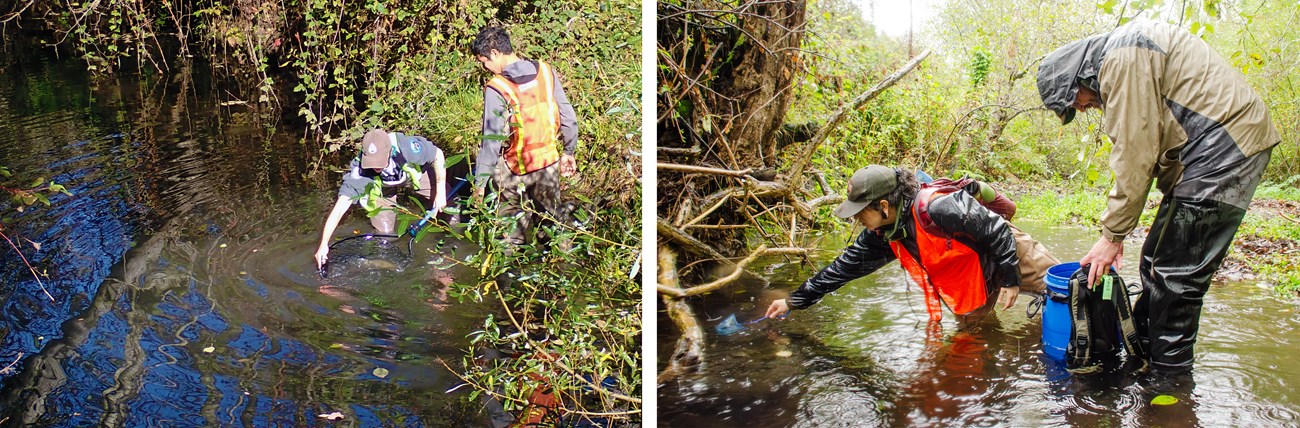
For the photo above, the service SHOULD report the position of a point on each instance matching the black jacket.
(957, 213)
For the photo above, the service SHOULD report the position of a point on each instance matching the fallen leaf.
(1164, 400)
(784, 354)
(209, 350)
(222, 245)
(332, 416)
(380, 372)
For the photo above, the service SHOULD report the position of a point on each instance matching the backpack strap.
(1079, 349)
(1128, 330)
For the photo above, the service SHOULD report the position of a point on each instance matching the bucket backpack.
(1101, 323)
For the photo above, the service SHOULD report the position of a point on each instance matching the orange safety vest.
(534, 121)
(948, 269)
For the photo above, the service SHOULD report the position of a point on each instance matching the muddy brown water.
(864, 357)
(181, 269)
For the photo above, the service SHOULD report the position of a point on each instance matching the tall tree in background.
(728, 74)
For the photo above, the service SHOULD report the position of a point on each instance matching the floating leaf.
(331, 416)
(1164, 400)
(209, 350)
(380, 372)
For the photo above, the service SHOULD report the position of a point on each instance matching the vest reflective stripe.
(948, 270)
(534, 121)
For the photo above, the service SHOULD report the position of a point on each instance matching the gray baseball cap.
(867, 185)
(376, 149)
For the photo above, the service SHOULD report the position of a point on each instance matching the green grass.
(1059, 204)
(1062, 207)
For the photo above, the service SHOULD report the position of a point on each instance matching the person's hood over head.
(520, 72)
(1063, 70)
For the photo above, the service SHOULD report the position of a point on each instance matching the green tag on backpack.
(1106, 287)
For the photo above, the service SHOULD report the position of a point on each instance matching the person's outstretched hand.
(1103, 255)
(778, 309)
(1007, 297)
(322, 255)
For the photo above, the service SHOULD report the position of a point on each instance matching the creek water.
(184, 289)
(865, 356)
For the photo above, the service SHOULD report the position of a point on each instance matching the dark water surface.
(184, 288)
(864, 357)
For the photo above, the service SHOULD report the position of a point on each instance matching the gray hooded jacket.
(1174, 109)
(496, 118)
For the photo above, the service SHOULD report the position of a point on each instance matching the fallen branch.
(821, 179)
(704, 169)
(838, 116)
(689, 351)
(674, 151)
(717, 226)
(1288, 218)
(678, 292)
(825, 200)
(698, 249)
(705, 213)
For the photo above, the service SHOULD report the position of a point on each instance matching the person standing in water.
(389, 160)
(1178, 114)
(962, 254)
(524, 104)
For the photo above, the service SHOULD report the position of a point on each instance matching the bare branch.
(704, 170)
(673, 151)
(696, 248)
(825, 200)
(689, 351)
(731, 277)
(706, 212)
(801, 161)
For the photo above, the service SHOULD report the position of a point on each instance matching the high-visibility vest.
(948, 270)
(534, 121)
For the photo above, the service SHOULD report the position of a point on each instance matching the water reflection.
(866, 356)
(181, 270)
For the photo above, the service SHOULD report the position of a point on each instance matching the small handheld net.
(364, 255)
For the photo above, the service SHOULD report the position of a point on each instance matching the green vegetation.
(39, 191)
(342, 67)
(568, 309)
(973, 107)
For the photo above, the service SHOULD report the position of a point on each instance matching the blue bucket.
(1056, 311)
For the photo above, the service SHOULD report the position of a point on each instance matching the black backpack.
(1101, 323)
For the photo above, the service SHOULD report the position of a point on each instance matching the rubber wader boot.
(1187, 244)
